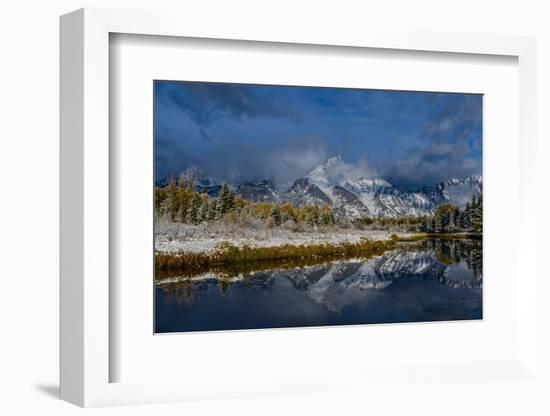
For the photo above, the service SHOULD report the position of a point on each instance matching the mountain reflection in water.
(432, 281)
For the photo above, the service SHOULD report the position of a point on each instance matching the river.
(434, 280)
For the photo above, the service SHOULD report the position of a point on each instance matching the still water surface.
(432, 281)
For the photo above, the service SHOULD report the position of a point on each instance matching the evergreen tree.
(161, 201)
(173, 197)
(275, 215)
(213, 210)
(476, 217)
(315, 214)
(331, 218)
(471, 212)
(204, 211)
(310, 220)
(226, 200)
(193, 213)
(326, 217)
(285, 217)
(425, 225)
(465, 218)
(438, 223)
(185, 196)
(456, 219)
(451, 223)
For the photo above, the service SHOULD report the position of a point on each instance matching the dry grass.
(226, 255)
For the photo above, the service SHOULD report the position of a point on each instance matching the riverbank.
(173, 237)
(254, 258)
(413, 237)
(230, 249)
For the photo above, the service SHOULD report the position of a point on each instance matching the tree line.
(449, 218)
(180, 202)
(453, 251)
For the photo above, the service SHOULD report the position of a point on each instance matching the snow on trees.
(226, 200)
(448, 218)
(179, 201)
(193, 216)
(275, 215)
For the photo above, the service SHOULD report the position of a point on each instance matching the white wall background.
(29, 204)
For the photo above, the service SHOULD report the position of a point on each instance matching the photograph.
(279, 206)
(266, 208)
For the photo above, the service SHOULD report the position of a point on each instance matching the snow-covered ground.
(174, 237)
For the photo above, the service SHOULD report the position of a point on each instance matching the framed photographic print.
(322, 199)
(285, 206)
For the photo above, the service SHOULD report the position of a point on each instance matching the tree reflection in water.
(434, 259)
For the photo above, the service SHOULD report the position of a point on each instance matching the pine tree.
(326, 217)
(204, 211)
(226, 200)
(185, 197)
(213, 210)
(451, 223)
(315, 214)
(456, 219)
(309, 219)
(471, 212)
(476, 216)
(160, 197)
(438, 224)
(465, 218)
(275, 215)
(173, 197)
(284, 217)
(193, 216)
(425, 225)
(332, 219)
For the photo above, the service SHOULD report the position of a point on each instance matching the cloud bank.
(249, 132)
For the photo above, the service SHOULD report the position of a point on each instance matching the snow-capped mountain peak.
(349, 190)
(203, 182)
(198, 174)
(336, 172)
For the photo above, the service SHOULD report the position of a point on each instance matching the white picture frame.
(85, 212)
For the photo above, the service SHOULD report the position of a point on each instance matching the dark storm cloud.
(293, 157)
(433, 163)
(448, 145)
(454, 118)
(205, 103)
(249, 132)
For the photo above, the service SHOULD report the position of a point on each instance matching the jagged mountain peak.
(197, 173)
(348, 189)
(203, 182)
(260, 190)
(456, 191)
(336, 171)
(333, 160)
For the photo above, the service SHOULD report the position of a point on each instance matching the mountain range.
(336, 285)
(352, 197)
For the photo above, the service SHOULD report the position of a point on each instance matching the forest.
(179, 201)
(449, 218)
